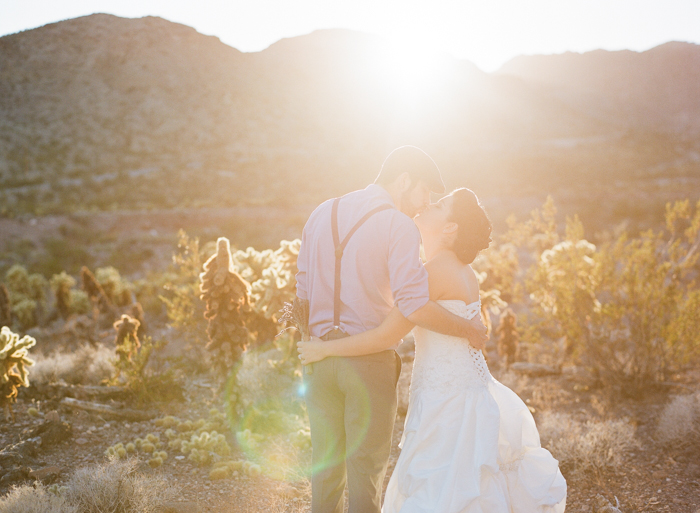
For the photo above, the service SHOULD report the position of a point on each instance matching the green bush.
(628, 309)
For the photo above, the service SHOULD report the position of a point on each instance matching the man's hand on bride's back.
(311, 351)
(478, 340)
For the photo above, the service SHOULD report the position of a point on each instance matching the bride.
(470, 444)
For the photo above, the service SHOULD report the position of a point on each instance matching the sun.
(413, 72)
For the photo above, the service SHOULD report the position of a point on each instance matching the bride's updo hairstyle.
(474, 226)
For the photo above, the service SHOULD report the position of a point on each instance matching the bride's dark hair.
(474, 226)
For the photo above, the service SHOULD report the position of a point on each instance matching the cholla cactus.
(136, 311)
(80, 302)
(251, 263)
(115, 288)
(17, 279)
(225, 293)
(61, 284)
(127, 340)
(13, 366)
(5, 306)
(271, 274)
(25, 312)
(230, 468)
(508, 339)
(272, 291)
(94, 290)
(37, 287)
(27, 293)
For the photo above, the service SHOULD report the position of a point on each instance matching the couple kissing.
(469, 444)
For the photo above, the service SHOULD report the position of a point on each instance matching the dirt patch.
(653, 478)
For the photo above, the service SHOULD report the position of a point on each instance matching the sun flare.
(413, 72)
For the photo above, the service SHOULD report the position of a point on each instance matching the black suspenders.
(339, 248)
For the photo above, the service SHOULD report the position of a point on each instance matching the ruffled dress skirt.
(470, 444)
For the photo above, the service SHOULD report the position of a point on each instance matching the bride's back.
(445, 364)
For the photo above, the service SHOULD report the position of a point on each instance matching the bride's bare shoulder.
(449, 278)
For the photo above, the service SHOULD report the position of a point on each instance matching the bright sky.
(486, 32)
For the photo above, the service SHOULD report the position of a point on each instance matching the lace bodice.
(447, 364)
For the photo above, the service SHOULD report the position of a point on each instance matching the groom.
(359, 257)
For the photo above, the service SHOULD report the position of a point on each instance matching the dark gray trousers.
(351, 404)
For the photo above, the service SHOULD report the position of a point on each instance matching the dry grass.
(115, 486)
(679, 420)
(285, 462)
(86, 366)
(34, 499)
(583, 447)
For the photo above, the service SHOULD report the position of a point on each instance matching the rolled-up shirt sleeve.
(407, 275)
(302, 266)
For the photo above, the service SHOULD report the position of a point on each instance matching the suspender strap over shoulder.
(340, 247)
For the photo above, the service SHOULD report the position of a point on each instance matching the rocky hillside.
(107, 113)
(658, 89)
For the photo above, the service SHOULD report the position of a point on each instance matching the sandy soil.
(652, 479)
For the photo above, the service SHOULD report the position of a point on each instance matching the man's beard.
(407, 206)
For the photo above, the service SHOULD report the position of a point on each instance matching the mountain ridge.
(108, 112)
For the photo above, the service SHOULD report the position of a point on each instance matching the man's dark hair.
(415, 162)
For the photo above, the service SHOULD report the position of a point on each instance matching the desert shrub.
(88, 365)
(508, 343)
(501, 268)
(679, 422)
(184, 310)
(630, 309)
(14, 361)
(34, 498)
(584, 447)
(117, 486)
(145, 381)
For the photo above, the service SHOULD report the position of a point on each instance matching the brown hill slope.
(658, 89)
(106, 112)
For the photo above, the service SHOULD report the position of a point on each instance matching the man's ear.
(450, 228)
(404, 182)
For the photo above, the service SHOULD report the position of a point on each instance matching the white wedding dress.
(470, 444)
